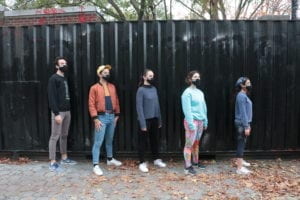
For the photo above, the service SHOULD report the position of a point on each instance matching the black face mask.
(151, 81)
(196, 82)
(249, 88)
(64, 68)
(107, 77)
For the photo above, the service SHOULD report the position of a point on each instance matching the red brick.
(54, 18)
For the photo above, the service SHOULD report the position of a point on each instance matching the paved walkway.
(271, 179)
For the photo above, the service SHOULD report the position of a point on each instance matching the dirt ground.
(29, 179)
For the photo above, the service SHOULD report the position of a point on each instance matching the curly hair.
(188, 78)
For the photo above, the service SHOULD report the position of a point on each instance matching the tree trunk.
(295, 9)
(166, 10)
(213, 9)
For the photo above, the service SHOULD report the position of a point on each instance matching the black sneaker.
(190, 170)
(199, 165)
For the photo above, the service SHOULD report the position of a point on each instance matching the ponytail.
(141, 81)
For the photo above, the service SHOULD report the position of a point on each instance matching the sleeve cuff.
(143, 126)
(56, 113)
(95, 117)
(247, 126)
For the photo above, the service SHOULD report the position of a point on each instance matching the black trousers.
(152, 134)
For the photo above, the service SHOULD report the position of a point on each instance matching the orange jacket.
(97, 99)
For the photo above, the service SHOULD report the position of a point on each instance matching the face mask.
(64, 68)
(107, 77)
(151, 81)
(196, 82)
(249, 87)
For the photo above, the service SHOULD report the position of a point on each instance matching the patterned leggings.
(192, 140)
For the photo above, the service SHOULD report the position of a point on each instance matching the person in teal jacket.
(195, 121)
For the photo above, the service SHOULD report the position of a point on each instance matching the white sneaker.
(114, 162)
(246, 164)
(143, 167)
(159, 163)
(243, 170)
(97, 170)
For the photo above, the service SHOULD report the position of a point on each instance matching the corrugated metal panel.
(266, 51)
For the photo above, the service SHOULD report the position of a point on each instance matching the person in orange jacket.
(104, 110)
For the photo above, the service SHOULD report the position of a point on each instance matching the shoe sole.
(98, 174)
(114, 165)
(246, 165)
(188, 173)
(62, 163)
(160, 166)
(243, 173)
(146, 171)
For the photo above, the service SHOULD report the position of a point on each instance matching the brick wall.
(69, 15)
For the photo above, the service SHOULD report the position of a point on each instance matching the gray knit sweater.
(147, 104)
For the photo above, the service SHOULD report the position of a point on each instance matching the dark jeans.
(152, 133)
(241, 139)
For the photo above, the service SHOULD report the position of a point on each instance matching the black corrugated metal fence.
(266, 51)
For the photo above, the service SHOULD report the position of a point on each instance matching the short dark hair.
(190, 75)
(59, 58)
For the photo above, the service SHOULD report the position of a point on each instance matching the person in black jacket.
(59, 103)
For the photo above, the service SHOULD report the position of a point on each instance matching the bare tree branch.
(142, 10)
(255, 10)
(171, 14)
(191, 9)
(222, 9)
(135, 5)
(117, 8)
(152, 6)
(105, 10)
(158, 3)
(241, 6)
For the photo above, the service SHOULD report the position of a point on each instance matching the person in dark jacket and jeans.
(243, 119)
(149, 117)
(59, 103)
(104, 109)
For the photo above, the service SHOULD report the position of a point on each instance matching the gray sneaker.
(190, 170)
(68, 161)
(199, 165)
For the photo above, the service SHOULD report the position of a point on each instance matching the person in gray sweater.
(149, 117)
(242, 121)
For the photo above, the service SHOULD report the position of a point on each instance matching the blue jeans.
(106, 131)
